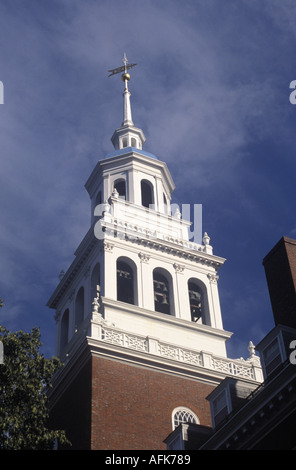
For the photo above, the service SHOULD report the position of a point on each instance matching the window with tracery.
(184, 415)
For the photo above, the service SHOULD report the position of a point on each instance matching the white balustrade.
(248, 369)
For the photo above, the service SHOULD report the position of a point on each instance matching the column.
(182, 307)
(109, 270)
(214, 302)
(146, 291)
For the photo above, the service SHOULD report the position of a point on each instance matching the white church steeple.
(138, 321)
(140, 238)
(155, 290)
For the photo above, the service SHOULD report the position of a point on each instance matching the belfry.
(138, 321)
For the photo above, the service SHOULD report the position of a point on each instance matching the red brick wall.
(132, 406)
(280, 271)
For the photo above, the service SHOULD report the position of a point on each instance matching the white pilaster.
(147, 290)
(215, 310)
(182, 292)
(110, 276)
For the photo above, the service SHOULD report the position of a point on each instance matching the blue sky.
(211, 93)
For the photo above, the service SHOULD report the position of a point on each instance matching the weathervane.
(124, 68)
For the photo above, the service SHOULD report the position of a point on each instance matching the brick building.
(245, 417)
(280, 271)
(138, 319)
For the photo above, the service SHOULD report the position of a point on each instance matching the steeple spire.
(127, 111)
(127, 135)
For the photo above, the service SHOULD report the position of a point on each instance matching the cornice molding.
(181, 248)
(170, 319)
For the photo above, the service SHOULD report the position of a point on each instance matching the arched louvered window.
(125, 282)
(196, 301)
(183, 415)
(162, 292)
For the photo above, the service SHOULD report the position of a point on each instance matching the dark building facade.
(280, 271)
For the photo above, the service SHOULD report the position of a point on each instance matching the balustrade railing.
(249, 369)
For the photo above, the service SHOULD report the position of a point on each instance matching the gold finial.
(125, 76)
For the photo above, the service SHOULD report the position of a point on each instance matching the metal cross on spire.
(124, 60)
(124, 68)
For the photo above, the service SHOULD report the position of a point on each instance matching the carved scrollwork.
(179, 268)
(213, 278)
(144, 257)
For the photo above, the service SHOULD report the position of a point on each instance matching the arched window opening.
(161, 293)
(64, 329)
(133, 142)
(120, 186)
(124, 142)
(95, 282)
(196, 301)
(147, 193)
(125, 283)
(183, 415)
(79, 307)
